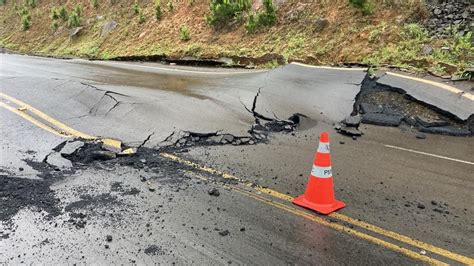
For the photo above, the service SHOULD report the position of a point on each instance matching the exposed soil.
(306, 31)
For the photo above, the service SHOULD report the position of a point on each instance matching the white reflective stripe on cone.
(321, 172)
(323, 147)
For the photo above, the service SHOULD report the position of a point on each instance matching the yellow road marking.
(367, 226)
(338, 227)
(436, 84)
(115, 145)
(271, 192)
(52, 121)
(343, 229)
(32, 120)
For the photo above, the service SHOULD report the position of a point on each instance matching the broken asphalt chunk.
(70, 147)
(112, 145)
(349, 131)
(420, 136)
(380, 119)
(427, 122)
(128, 152)
(55, 159)
(352, 121)
(447, 130)
(214, 192)
(224, 233)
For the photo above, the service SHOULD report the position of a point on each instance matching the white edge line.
(177, 70)
(329, 67)
(430, 154)
(445, 87)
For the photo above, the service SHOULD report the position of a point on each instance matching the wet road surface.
(159, 210)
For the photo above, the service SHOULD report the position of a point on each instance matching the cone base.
(321, 208)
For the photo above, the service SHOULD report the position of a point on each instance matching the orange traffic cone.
(319, 195)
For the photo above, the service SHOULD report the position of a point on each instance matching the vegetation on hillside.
(373, 32)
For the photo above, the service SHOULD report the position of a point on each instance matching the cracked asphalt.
(211, 144)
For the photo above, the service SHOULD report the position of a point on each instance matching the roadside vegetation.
(373, 32)
(184, 33)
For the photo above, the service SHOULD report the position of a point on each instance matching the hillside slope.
(309, 31)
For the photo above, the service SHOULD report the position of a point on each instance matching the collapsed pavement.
(383, 105)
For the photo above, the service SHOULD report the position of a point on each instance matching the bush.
(63, 13)
(74, 20)
(136, 9)
(95, 3)
(30, 3)
(54, 26)
(78, 9)
(414, 31)
(3, 2)
(184, 34)
(158, 12)
(251, 24)
(170, 6)
(23, 11)
(25, 22)
(141, 17)
(268, 16)
(225, 11)
(265, 18)
(366, 6)
(54, 14)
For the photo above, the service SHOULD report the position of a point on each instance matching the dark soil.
(17, 193)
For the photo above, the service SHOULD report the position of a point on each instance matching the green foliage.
(414, 32)
(407, 52)
(74, 19)
(78, 9)
(158, 12)
(366, 6)
(23, 11)
(226, 11)
(95, 3)
(136, 9)
(265, 18)
(268, 16)
(63, 13)
(184, 33)
(54, 14)
(25, 22)
(54, 26)
(3, 2)
(30, 3)
(251, 24)
(141, 17)
(170, 5)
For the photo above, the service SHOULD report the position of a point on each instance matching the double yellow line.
(341, 228)
(40, 119)
(255, 192)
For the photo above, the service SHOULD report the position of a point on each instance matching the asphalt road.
(409, 200)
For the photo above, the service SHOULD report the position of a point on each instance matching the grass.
(377, 39)
(407, 52)
(295, 45)
(184, 33)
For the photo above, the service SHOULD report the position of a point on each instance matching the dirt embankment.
(314, 32)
